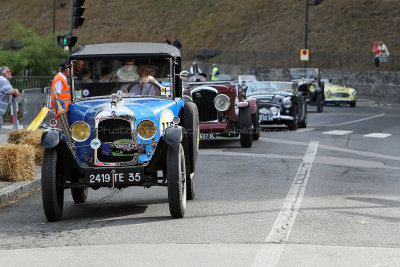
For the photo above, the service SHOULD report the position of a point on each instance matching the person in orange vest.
(60, 93)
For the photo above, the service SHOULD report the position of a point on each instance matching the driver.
(147, 85)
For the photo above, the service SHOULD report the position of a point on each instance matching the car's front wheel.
(353, 104)
(256, 125)
(320, 106)
(176, 175)
(52, 187)
(292, 125)
(246, 135)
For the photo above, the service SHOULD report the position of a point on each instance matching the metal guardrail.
(32, 103)
(22, 82)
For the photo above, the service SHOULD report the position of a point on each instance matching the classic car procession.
(223, 111)
(120, 131)
(114, 137)
(279, 103)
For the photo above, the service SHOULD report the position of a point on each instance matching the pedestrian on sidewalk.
(384, 53)
(5, 91)
(375, 51)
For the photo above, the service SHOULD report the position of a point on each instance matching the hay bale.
(33, 139)
(17, 162)
(15, 136)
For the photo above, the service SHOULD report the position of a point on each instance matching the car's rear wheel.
(52, 187)
(246, 135)
(320, 106)
(353, 104)
(176, 175)
(79, 194)
(256, 125)
(303, 123)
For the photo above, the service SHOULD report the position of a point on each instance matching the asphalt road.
(327, 195)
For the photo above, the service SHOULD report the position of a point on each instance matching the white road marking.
(377, 135)
(355, 121)
(269, 255)
(337, 132)
(303, 130)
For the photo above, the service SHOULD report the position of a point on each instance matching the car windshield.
(135, 77)
(305, 73)
(259, 88)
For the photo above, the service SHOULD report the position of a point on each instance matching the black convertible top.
(109, 50)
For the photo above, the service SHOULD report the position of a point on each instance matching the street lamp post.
(306, 32)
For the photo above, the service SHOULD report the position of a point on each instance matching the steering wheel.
(158, 92)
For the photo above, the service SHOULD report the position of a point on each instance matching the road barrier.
(14, 113)
(32, 103)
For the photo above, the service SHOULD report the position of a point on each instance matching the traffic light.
(77, 13)
(66, 40)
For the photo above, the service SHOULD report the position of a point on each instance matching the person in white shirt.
(384, 53)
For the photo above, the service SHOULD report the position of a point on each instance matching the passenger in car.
(127, 72)
(105, 75)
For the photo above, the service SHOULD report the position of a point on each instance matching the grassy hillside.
(263, 25)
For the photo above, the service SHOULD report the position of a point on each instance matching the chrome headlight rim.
(75, 124)
(274, 110)
(226, 98)
(328, 92)
(155, 130)
(354, 93)
(287, 102)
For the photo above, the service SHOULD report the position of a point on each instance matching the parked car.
(114, 139)
(223, 111)
(336, 92)
(279, 103)
(309, 83)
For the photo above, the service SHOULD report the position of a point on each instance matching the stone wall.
(370, 84)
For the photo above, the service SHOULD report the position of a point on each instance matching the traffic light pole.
(71, 16)
(306, 32)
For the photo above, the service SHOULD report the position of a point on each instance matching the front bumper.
(213, 127)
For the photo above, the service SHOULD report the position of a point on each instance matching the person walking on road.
(5, 91)
(177, 44)
(384, 53)
(60, 93)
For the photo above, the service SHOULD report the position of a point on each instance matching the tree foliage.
(39, 56)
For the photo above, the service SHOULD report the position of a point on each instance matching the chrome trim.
(76, 140)
(155, 133)
(201, 88)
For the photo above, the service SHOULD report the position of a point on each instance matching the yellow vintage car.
(336, 92)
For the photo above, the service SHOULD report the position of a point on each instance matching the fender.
(51, 138)
(173, 135)
(253, 105)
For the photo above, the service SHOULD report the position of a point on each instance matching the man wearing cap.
(60, 94)
(5, 91)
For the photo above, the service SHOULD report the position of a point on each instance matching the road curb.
(16, 189)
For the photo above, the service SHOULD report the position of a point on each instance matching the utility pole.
(306, 32)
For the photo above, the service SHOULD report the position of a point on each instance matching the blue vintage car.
(127, 125)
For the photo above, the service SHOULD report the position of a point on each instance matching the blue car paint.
(143, 108)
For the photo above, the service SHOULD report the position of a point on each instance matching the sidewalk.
(11, 190)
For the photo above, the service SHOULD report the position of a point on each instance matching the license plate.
(122, 176)
(207, 135)
(266, 118)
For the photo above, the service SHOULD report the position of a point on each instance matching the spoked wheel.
(52, 187)
(79, 194)
(246, 135)
(176, 175)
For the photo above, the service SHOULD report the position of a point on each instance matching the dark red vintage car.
(223, 111)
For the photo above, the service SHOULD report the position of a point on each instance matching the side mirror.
(184, 75)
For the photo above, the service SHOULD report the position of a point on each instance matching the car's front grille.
(204, 99)
(341, 95)
(109, 131)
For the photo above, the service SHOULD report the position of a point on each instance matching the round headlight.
(222, 102)
(274, 111)
(80, 131)
(354, 92)
(147, 129)
(328, 92)
(287, 103)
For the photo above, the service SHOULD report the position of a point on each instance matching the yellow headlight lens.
(80, 131)
(147, 129)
